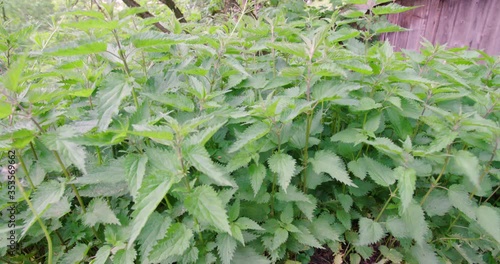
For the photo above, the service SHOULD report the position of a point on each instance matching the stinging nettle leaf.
(204, 204)
(135, 168)
(198, 156)
(369, 232)
(99, 212)
(284, 165)
(489, 219)
(115, 89)
(151, 193)
(226, 245)
(379, 173)
(414, 219)
(74, 49)
(257, 173)
(459, 198)
(176, 242)
(102, 255)
(468, 165)
(328, 162)
(406, 185)
(252, 133)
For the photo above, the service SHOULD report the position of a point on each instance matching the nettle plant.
(255, 141)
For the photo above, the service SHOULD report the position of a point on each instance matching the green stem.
(40, 222)
(486, 168)
(441, 173)
(33, 150)
(273, 191)
(23, 165)
(169, 205)
(99, 156)
(306, 153)
(393, 193)
(73, 187)
(493, 193)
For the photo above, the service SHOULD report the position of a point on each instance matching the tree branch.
(143, 15)
(177, 12)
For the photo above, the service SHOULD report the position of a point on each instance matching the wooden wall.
(472, 23)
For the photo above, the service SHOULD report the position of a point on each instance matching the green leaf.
(306, 238)
(69, 152)
(92, 24)
(198, 156)
(366, 104)
(76, 254)
(252, 133)
(135, 168)
(414, 219)
(257, 173)
(155, 229)
(284, 165)
(204, 204)
(151, 193)
(346, 201)
(489, 219)
(424, 253)
(159, 40)
(99, 212)
(437, 203)
(5, 109)
(369, 232)
(391, 254)
(391, 8)
(161, 134)
(379, 173)
(100, 175)
(459, 198)
(102, 255)
(13, 77)
(358, 168)
(76, 49)
(297, 49)
(385, 146)
(47, 194)
(115, 89)
(356, 66)
(125, 256)
(226, 245)
(175, 243)
(176, 100)
(328, 162)
(322, 229)
(248, 255)
(467, 164)
(307, 208)
(246, 223)
(406, 185)
(280, 237)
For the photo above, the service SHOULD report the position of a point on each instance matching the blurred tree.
(27, 10)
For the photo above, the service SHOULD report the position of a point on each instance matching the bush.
(255, 141)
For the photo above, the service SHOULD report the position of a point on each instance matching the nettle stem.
(37, 217)
(393, 194)
(309, 113)
(306, 152)
(73, 187)
(26, 173)
(441, 173)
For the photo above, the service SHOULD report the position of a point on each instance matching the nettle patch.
(256, 141)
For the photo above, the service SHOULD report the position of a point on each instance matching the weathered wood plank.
(472, 23)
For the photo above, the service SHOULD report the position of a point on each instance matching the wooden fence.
(457, 23)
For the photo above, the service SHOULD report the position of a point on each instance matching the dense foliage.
(246, 141)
